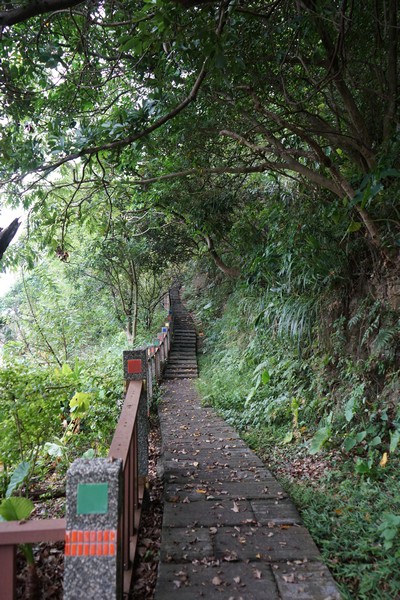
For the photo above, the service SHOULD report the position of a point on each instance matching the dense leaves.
(139, 92)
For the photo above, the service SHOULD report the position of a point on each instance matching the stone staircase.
(182, 360)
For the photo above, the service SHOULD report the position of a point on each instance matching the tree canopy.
(125, 96)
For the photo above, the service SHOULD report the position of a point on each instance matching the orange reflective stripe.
(86, 543)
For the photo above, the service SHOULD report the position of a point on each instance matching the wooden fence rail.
(126, 445)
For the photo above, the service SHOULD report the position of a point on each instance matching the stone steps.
(182, 360)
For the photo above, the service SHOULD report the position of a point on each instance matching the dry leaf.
(217, 580)
(257, 574)
(289, 578)
(236, 579)
(235, 507)
(384, 460)
(230, 557)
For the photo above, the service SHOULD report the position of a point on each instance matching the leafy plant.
(389, 529)
(18, 477)
(322, 436)
(19, 508)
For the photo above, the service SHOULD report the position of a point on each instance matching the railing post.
(152, 350)
(167, 338)
(162, 350)
(8, 571)
(150, 378)
(135, 369)
(157, 359)
(93, 566)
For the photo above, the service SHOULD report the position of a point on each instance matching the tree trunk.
(230, 271)
(7, 234)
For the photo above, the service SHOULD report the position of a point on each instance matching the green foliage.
(322, 436)
(36, 416)
(356, 525)
(32, 404)
(389, 529)
(16, 508)
(18, 476)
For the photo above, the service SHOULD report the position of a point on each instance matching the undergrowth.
(320, 385)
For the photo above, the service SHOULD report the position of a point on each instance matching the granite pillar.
(93, 568)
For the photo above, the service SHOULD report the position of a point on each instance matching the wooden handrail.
(124, 447)
(122, 437)
(31, 532)
(23, 532)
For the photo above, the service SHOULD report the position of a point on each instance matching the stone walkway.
(229, 530)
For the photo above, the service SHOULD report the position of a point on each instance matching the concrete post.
(150, 378)
(166, 344)
(162, 350)
(152, 350)
(157, 357)
(93, 567)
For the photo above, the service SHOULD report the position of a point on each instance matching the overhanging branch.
(33, 9)
(123, 143)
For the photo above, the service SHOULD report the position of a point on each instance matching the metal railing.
(124, 446)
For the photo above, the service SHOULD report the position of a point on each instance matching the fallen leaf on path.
(231, 557)
(213, 530)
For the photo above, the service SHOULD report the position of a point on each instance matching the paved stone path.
(229, 530)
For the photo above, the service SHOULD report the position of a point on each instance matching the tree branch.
(230, 271)
(289, 162)
(33, 9)
(359, 127)
(7, 234)
(191, 97)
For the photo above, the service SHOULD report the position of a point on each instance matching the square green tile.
(92, 499)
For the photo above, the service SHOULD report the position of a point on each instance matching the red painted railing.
(13, 533)
(123, 446)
